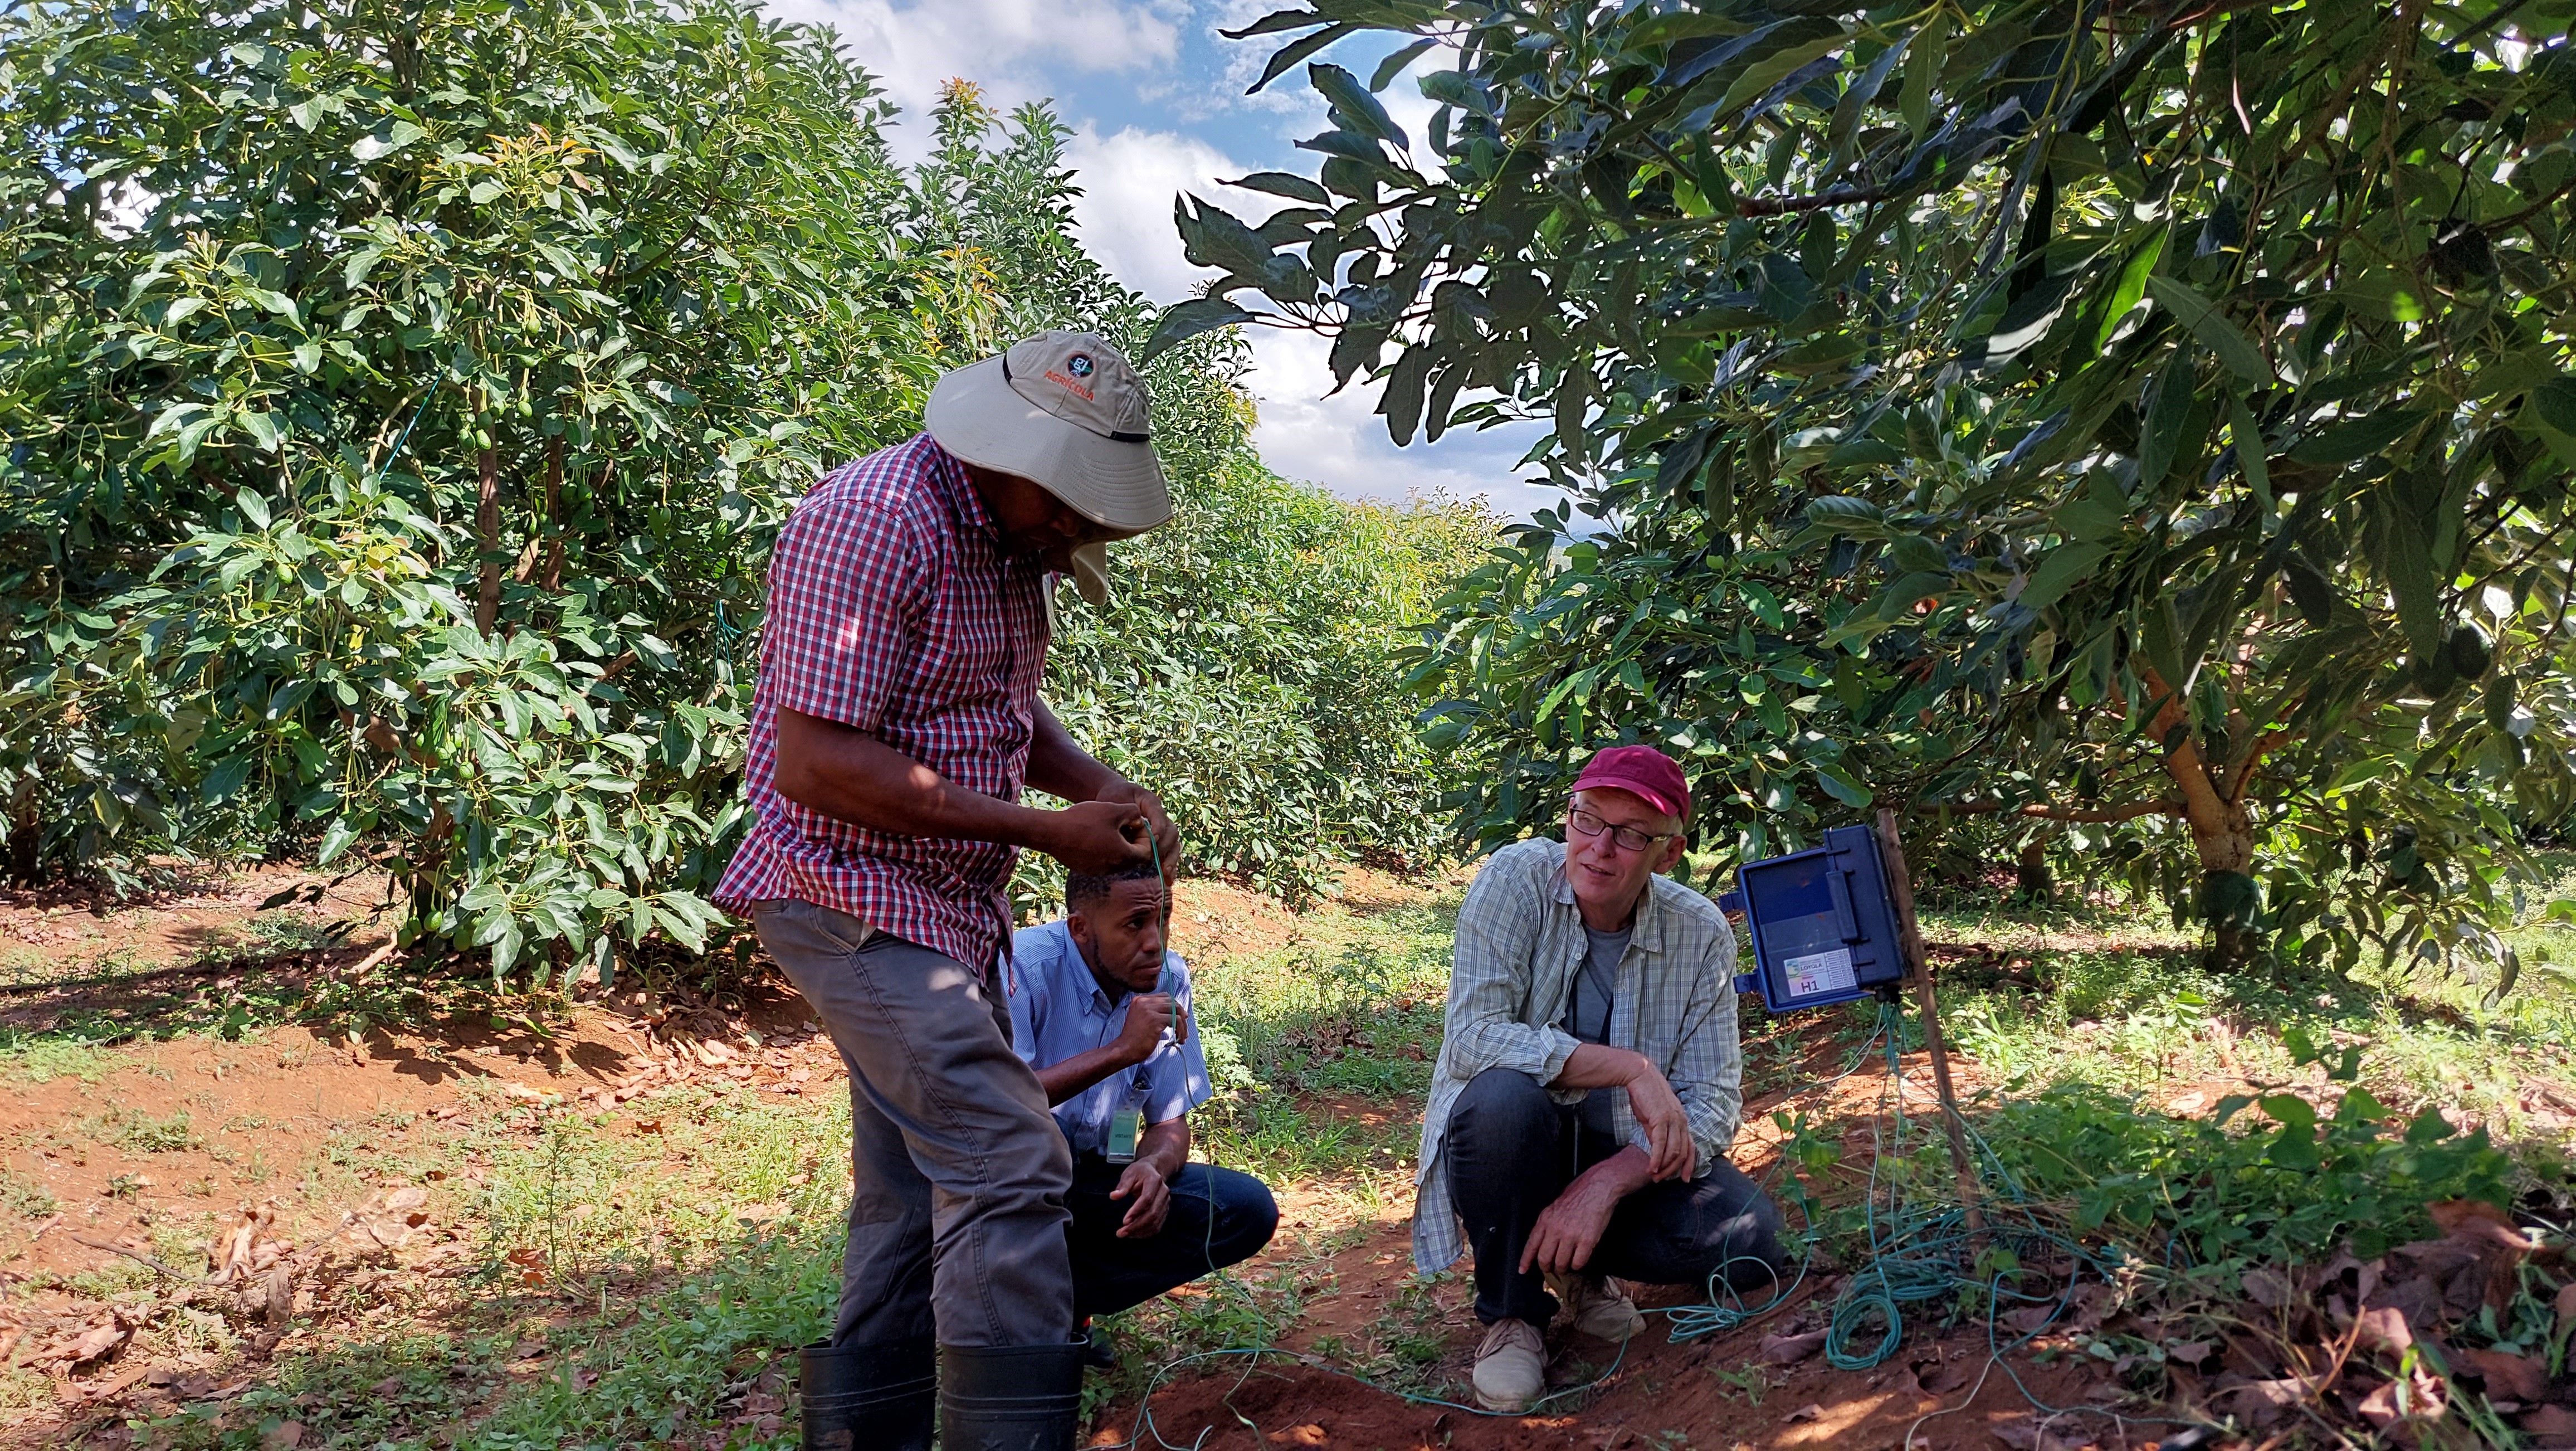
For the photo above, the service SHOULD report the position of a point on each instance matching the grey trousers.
(959, 1173)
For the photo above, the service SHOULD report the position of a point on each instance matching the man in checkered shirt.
(896, 720)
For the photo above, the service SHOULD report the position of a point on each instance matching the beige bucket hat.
(1066, 411)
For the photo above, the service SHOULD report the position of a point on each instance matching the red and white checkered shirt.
(893, 609)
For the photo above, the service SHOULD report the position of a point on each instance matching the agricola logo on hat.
(1076, 368)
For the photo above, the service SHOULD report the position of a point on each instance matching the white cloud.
(1007, 46)
(1124, 216)
(1340, 443)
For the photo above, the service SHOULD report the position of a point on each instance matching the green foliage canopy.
(397, 405)
(2147, 420)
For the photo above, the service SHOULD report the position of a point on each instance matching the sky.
(1155, 97)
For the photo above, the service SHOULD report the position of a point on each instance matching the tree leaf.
(1393, 66)
(1295, 50)
(2213, 329)
(1357, 104)
(2065, 567)
(1185, 320)
(335, 840)
(1286, 184)
(2132, 286)
(2351, 440)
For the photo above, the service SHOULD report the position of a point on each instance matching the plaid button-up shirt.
(1520, 943)
(893, 610)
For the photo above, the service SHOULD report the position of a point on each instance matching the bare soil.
(330, 1169)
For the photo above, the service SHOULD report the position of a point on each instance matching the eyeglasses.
(1586, 824)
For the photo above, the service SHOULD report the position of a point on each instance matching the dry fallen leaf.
(281, 1296)
(2383, 1330)
(2509, 1377)
(2263, 1402)
(92, 1343)
(1790, 1349)
(2028, 1433)
(2267, 1288)
(2550, 1426)
(2418, 1397)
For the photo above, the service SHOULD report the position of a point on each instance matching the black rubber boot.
(1009, 1397)
(868, 1396)
(1095, 1347)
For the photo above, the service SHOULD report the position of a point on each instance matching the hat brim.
(975, 414)
(1652, 796)
(1091, 574)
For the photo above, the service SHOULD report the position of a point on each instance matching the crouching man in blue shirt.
(1102, 1013)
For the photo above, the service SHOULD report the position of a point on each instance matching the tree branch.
(1840, 196)
(2046, 811)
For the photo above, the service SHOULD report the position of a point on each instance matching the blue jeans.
(1511, 1150)
(1218, 1217)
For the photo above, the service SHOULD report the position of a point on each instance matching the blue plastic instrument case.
(1823, 928)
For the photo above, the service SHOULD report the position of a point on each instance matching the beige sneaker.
(1511, 1367)
(1599, 1307)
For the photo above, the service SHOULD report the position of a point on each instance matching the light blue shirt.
(1058, 1011)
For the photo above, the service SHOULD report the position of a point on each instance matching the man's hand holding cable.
(1167, 837)
(1095, 836)
(1148, 1014)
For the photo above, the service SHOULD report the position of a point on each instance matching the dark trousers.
(958, 1171)
(1218, 1217)
(1510, 1150)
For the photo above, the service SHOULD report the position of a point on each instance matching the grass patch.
(136, 1131)
(24, 1197)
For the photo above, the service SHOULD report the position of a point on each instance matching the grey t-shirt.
(1587, 1012)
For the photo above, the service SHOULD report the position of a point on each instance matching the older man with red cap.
(1589, 1082)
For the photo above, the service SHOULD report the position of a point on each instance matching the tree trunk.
(26, 836)
(2037, 883)
(554, 515)
(487, 541)
(2222, 833)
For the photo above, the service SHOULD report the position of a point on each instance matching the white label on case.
(1820, 972)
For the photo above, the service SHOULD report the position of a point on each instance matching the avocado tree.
(397, 401)
(2151, 420)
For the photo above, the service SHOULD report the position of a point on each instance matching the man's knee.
(1755, 1239)
(1246, 1213)
(1500, 1107)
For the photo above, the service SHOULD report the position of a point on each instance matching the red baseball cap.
(1643, 772)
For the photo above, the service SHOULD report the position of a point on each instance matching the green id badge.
(1124, 1126)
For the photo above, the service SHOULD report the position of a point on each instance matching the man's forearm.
(852, 776)
(1620, 1175)
(1598, 1065)
(1166, 1146)
(1063, 1080)
(1059, 766)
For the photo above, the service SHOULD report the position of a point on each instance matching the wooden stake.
(1900, 887)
